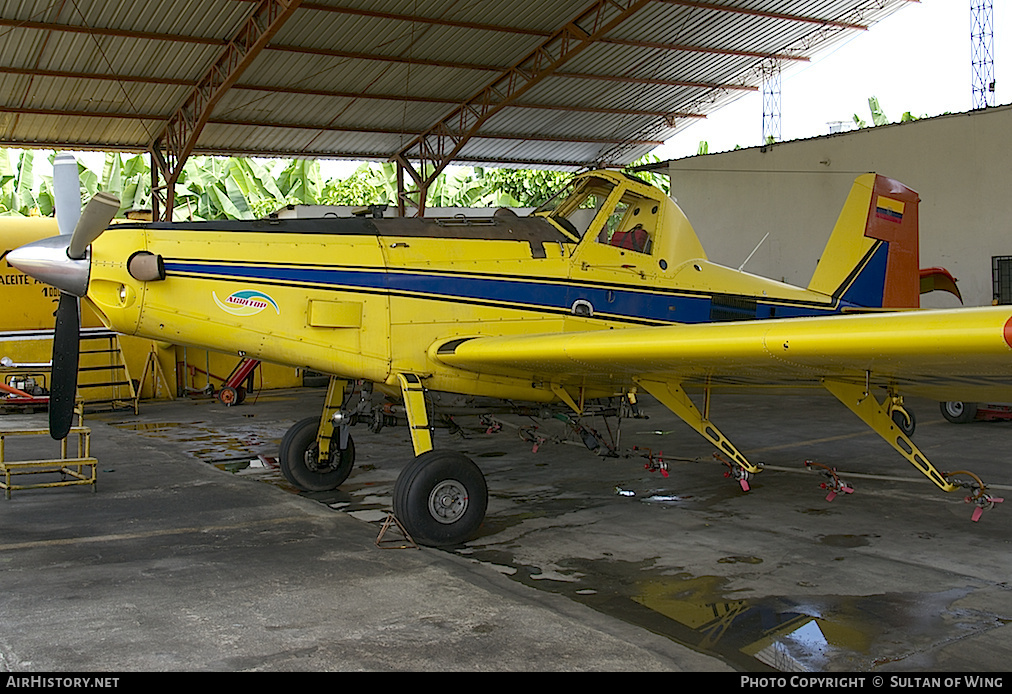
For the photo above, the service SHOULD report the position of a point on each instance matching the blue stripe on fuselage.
(609, 302)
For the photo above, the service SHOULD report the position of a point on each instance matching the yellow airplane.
(604, 291)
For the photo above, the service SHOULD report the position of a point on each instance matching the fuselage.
(368, 299)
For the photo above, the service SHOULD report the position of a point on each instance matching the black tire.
(298, 458)
(229, 396)
(440, 498)
(905, 425)
(958, 412)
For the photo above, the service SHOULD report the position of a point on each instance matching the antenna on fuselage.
(753, 251)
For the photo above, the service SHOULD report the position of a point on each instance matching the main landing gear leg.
(675, 399)
(314, 456)
(440, 497)
(862, 403)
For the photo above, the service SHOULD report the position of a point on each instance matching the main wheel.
(300, 459)
(958, 412)
(440, 498)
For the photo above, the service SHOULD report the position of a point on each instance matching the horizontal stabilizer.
(939, 279)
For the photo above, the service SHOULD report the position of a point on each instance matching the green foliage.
(462, 187)
(878, 116)
(369, 185)
(136, 180)
(525, 187)
(654, 178)
(229, 188)
(301, 183)
(457, 187)
(17, 184)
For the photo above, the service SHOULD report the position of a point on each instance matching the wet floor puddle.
(213, 445)
(817, 634)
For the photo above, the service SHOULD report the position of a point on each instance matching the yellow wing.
(956, 354)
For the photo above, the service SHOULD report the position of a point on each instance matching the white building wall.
(960, 164)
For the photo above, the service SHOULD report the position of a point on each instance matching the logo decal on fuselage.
(247, 302)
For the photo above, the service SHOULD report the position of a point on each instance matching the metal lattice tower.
(771, 101)
(982, 52)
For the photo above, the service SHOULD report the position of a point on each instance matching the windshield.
(575, 206)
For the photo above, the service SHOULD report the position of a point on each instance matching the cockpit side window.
(631, 224)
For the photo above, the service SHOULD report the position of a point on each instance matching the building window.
(1001, 274)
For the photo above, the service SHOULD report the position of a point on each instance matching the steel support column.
(440, 144)
(179, 136)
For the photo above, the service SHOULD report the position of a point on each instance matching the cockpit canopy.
(576, 207)
(620, 211)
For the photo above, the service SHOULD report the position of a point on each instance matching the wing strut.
(672, 396)
(565, 397)
(860, 401)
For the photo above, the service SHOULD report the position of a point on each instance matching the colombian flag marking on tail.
(889, 209)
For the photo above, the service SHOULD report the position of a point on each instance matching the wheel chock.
(832, 494)
(978, 496)
(736, 472)
(530, 435)
(492, 426)
(655, 463)
(405, 542)
(835, 485)
(985, 502)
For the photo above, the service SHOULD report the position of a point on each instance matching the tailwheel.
(440, 498)
(300, 460)
(904, 420)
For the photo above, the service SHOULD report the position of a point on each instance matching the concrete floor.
(190, 558)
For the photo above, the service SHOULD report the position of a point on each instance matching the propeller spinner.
(62, 261)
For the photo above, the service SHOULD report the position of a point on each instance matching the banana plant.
(229, 188)
(135, 176)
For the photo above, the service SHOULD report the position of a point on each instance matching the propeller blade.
(83, 228)
(63, 382)
(97, 216)
(66, 192)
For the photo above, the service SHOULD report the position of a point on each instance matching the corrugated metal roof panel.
(335, 71)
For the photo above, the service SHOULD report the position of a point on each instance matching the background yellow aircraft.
(605, 291)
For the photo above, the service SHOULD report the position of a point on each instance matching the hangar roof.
(563, 83)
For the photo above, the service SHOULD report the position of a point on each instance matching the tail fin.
(871, 258)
